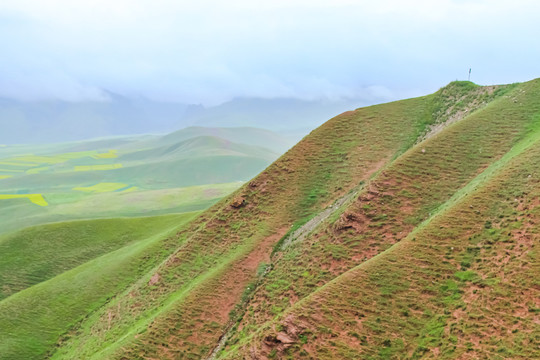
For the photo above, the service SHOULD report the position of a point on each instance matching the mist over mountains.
(50, 121)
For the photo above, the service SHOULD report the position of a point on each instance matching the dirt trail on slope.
(308, 227)
(214, 300)
(231, 286)
(458, 111)
(298, 235)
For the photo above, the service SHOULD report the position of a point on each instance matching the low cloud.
(211, 51)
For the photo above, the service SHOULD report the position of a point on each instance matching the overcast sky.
(208, 51)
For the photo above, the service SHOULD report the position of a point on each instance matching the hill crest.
(368, 239)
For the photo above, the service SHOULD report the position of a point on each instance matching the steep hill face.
(405, 229)
(436, 256)
(204, 280)
(384, 195)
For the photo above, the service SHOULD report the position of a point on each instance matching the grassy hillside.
(389, 206)
(162, 166)
(72, 284)
(39, 253)
(228, 243)
(240, 135)
(402, 230)
(198, 147)
(198, 277)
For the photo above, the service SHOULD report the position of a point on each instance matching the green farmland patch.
(54, 159)
(108, 155)
(102, 187)
(97, 167)
(37, 170)
(18, 164)
(131, 189)
(34, 198)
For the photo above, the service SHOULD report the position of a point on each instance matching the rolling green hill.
(80, 267)
(401, 230)
(39, 253)
(197, 147)
(241, 135)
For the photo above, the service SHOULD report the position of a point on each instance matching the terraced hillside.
(402, 230)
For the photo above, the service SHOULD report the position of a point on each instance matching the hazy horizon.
(211, 52)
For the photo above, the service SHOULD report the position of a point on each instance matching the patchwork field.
(160, 174)
(34, 198)
(103, 187)
(97, 167)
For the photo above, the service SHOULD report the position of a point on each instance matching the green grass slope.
(39, 253)
(187, 163)
(362, 316)
(35, 318)
(240, 135)
(200, 146)
(389, 206)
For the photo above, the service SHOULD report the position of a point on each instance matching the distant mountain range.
(53, 121)
(280, 114)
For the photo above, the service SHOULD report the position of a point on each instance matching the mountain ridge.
(53, 121)
(413, 232)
